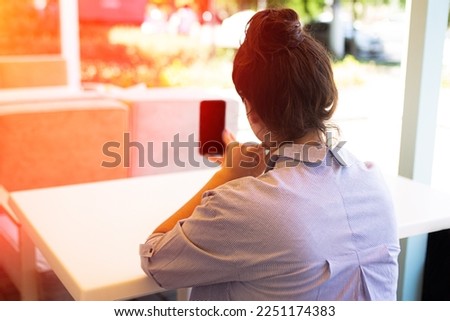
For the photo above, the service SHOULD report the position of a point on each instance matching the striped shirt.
(317, 225)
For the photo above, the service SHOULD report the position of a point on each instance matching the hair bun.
(278, 30)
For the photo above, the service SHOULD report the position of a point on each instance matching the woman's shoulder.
(244, 187)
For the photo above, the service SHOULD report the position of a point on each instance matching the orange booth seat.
(52, 143)
(59, 142)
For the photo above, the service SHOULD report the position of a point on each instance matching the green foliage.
(308, 10)
(245, 4)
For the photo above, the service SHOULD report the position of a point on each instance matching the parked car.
(358, 42)
(365, 44)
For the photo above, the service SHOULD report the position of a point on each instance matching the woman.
(311, 222)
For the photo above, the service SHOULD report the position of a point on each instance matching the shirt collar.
(290, 154)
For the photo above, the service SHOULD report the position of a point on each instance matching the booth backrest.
(59, 142)
(165, 125)
(32, 71)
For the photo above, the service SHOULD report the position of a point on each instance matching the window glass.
(441, 170)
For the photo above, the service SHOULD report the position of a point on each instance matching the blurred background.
(132, 45)
(183, 43)
(169, 42)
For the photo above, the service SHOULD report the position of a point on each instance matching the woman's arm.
(187, 209)
(238, 161)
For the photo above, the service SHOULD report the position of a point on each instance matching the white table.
(420, 209)
(90, 233)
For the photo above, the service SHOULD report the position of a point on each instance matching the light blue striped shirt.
(315, 227)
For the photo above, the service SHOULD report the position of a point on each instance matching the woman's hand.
(240, 160)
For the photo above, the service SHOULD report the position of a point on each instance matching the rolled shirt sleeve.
(192, 253)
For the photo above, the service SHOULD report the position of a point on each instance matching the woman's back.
(301, 231)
